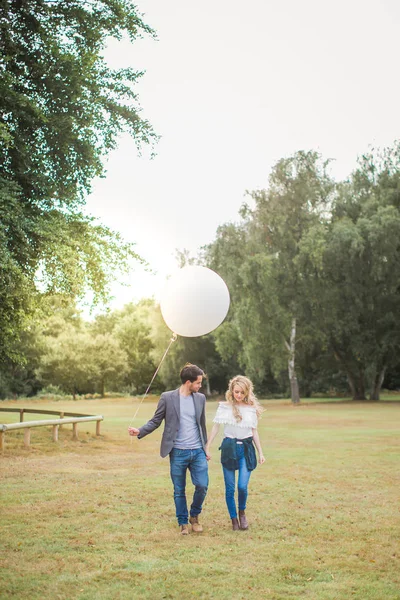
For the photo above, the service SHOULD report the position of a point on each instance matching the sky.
(232, 87)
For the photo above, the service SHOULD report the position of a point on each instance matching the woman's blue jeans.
(243, 480)
(196, 462)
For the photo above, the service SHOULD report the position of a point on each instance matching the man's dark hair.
(190, 373)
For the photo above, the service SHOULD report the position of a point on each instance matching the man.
(184, 439)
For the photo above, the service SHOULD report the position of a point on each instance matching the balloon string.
(173, 339)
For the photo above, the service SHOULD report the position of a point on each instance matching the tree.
(259, 259)
(19, 378)
(110, 362)
(357, 272)
(68, 362)
(133, 332)
(62, 108)
(132, 328)
(53, 316)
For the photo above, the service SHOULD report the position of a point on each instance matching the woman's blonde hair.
(249, 397)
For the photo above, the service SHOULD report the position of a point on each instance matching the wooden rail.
(56, 423)
(36, 411)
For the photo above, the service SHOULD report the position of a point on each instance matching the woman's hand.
(214, 432)
(256, 439)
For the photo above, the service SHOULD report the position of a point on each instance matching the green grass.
(94, 519)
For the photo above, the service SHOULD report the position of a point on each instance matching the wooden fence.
(65, 419)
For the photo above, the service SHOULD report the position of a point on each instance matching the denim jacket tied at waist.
(228, 453)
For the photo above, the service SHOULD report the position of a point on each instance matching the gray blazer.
(168, 408)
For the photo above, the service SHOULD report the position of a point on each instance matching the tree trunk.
(355, 380)
(351, 384)
(206, 382)
(357, 385)
(377, 384)
(294, 385)
(102, 388)
(360, 390)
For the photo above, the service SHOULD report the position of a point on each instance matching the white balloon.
(195, 300)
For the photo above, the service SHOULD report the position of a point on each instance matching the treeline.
(118, 351)
(313, 268)
(314, 272)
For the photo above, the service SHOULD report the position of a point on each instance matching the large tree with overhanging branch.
(61, 111)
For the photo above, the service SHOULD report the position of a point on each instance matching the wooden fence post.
(2, 439)
(98, 427)
(61, 417)
(75, 431)
(55, 433)
(27, 436)
(21, 415)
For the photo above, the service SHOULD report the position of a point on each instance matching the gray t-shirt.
(188, 437)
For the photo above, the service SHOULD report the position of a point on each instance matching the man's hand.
(208, 455)
(133, 431)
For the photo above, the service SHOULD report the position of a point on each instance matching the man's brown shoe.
(184, 530)
(196, 527)
(242, 519)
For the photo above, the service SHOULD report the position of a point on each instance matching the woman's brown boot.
(243, 521)
(235, 524)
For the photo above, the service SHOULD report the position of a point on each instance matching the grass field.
(94, 519)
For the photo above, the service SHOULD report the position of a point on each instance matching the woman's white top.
(236, 429)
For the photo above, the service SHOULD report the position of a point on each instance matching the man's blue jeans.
(196, 462)
(243, 480)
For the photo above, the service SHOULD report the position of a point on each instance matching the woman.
(239, 415)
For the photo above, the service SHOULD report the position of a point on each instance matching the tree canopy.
(313, 270)
(61, 108)
(356, 262)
